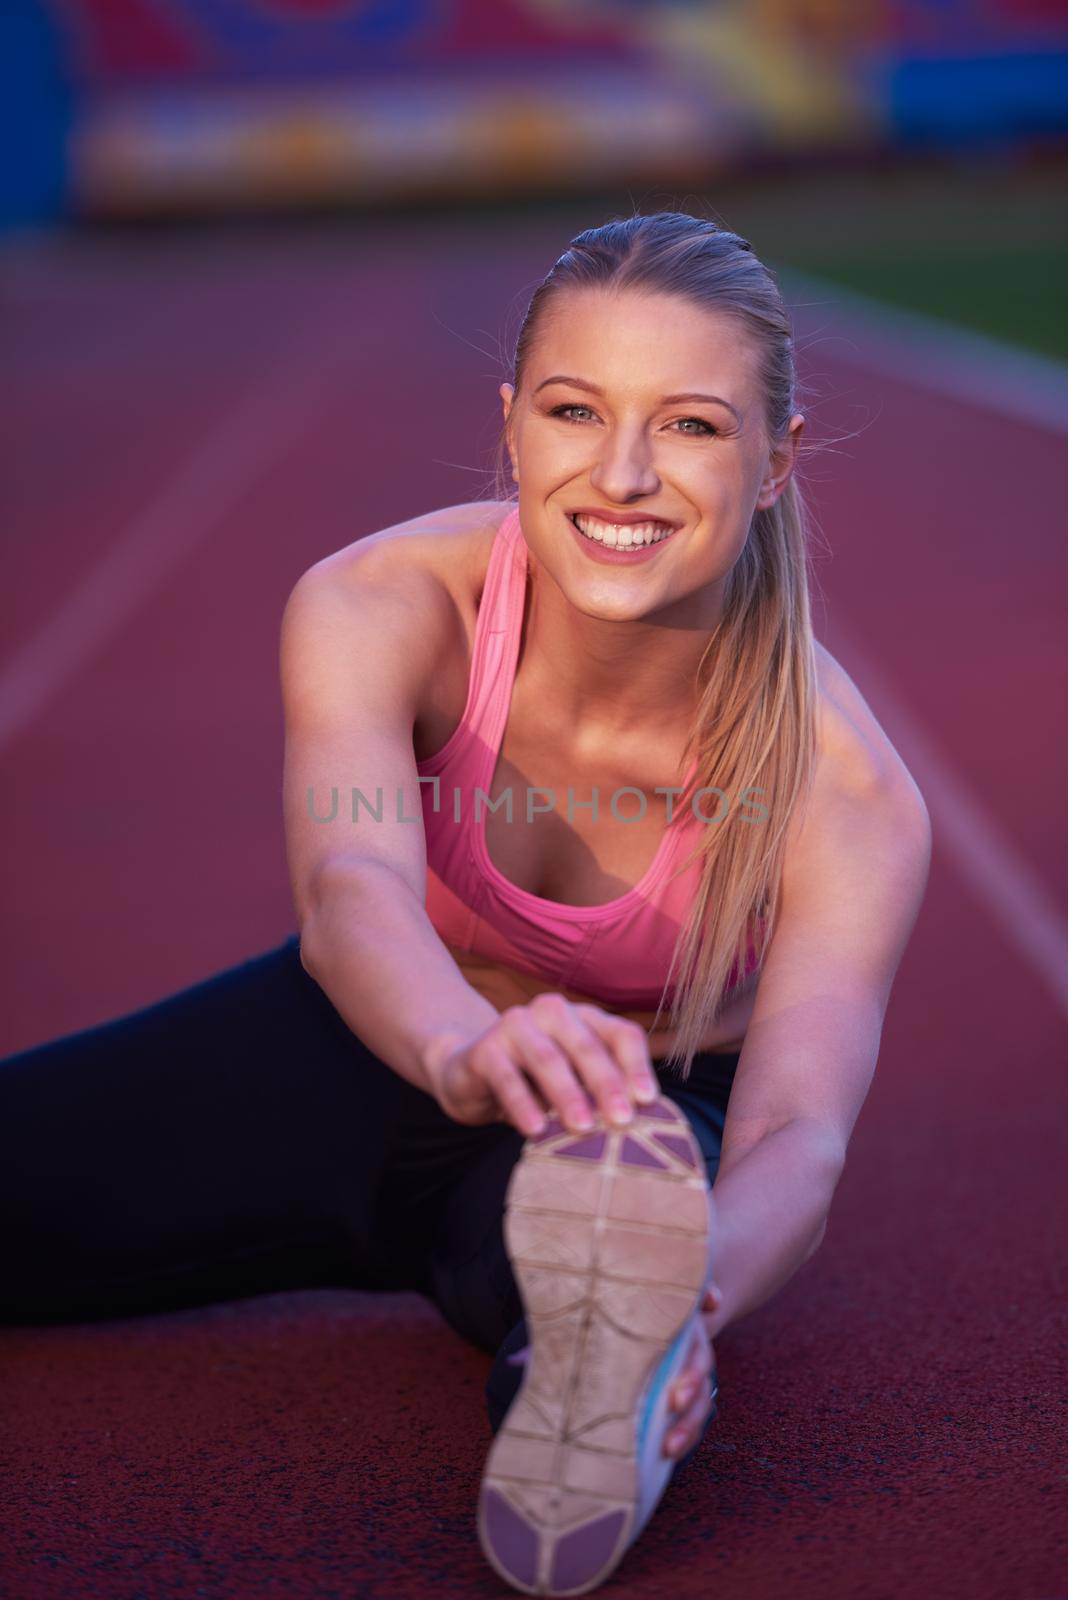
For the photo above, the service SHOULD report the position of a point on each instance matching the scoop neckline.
(561, 908)
(488, 765)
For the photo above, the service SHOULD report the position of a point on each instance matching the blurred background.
(261, 265)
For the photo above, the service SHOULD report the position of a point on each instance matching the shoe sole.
(608, 1234)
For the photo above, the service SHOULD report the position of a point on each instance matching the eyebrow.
(665, 399)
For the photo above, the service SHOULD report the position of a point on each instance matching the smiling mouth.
(620, 536)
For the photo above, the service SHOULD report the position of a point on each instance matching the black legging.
(237, 1138)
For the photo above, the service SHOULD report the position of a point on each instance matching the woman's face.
(594, 431)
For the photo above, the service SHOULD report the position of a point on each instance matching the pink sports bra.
(616, 953)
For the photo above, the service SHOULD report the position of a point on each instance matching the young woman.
(603, 870)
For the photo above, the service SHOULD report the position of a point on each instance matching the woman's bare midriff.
(505, 986)
(544, 859)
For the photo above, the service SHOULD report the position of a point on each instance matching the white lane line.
(188, 507)
(964, 830)
(936, 355)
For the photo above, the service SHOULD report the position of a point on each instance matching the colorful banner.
(252, 102)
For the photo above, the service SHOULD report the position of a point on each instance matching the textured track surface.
(608, 1234)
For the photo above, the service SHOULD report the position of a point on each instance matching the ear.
(781, 463)
(507, 394)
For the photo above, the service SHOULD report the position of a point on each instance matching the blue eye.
(708, 430)
(558, 411)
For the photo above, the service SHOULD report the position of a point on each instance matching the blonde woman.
(603, 870)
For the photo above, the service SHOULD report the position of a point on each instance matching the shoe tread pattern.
(608, 1235)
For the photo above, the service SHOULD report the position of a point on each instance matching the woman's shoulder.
(447, 549)
(416, 584)
(855, 756)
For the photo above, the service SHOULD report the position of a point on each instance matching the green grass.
(983, 244)
(1018, 295)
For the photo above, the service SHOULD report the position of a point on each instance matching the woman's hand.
(692, 1397)
(548, 1054)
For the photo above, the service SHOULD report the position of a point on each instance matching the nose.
(624, 466)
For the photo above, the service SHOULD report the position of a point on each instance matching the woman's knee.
(478, 1297)
(470, 1272)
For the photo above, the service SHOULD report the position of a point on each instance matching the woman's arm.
(361, 914)
(769, 1216)
(362, 635)
(854, 878)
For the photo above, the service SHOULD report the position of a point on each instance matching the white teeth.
(622, 536)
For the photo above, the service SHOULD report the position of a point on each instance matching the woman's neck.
(621, 676)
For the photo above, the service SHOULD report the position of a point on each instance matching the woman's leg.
(237, 1137)
(227, 1140)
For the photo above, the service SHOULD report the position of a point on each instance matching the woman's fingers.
(695, 1374)
(710, 1309)
(514, 1094)
(571, 1064)
(547, 1065)
(574, 1059)
(686, 1431)
(630, 1045)
(691, 1396)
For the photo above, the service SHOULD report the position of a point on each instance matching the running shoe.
(609, 1236)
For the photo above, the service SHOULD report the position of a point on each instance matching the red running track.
(195, 420)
